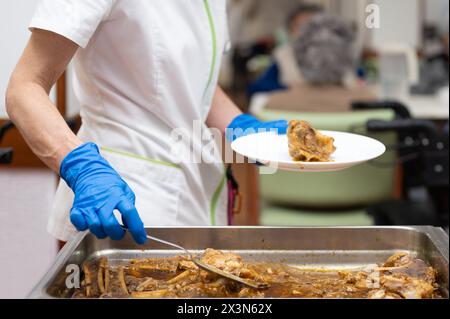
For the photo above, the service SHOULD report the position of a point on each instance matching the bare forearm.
(27, 102)
(40, 123)
(223, 111)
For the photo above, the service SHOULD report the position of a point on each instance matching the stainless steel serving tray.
(330, 247)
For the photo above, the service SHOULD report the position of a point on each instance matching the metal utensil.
(209, 268)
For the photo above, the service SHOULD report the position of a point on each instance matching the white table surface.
(429, 107)
(421, 106)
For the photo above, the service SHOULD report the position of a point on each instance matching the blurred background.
(378, 68)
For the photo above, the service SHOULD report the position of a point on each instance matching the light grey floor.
(26, 249)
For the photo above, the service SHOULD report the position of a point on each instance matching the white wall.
(400, 23)
(437, 13)
(15, 15)
(26, 249)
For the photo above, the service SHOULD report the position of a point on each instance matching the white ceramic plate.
(272, 150)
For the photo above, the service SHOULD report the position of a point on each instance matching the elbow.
(10, 99)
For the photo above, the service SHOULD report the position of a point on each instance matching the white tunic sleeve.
(76, 20)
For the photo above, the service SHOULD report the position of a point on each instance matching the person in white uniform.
(141, 70)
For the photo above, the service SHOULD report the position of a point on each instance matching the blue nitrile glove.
(246, 124)
(99, 190)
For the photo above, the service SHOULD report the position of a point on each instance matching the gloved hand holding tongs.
(99, 190)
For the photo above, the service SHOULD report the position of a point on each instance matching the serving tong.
(210, 268)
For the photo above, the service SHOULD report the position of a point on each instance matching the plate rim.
(316, 165)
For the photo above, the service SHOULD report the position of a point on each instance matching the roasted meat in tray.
(400, 276)
(294, 262)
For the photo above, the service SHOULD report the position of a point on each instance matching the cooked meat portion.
(307, 144)
(153, 267)
(398, 260)
(382, 294)
(228, 262)
(407, 287)
(401, 276)
(403, 263)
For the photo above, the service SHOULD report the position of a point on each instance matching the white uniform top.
(143, 69)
